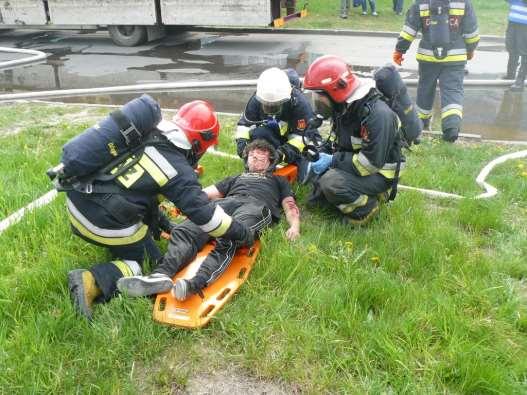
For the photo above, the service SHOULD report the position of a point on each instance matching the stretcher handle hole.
(224, 293)
(207, 311)
(162, 304)
(242, 272)
(250, 252)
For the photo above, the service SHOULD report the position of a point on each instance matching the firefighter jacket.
(121, 218)
(464, 35)
(367, 138)
(518, 11)
(290, 124)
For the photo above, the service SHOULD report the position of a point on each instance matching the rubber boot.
(450, 134)
(519, 84)
(364, 214)
(83, 291)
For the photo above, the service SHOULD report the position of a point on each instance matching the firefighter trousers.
(450, 78)
(342, 189)
(126, 261)
(187, 239)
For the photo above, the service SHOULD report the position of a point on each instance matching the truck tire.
(128, 35)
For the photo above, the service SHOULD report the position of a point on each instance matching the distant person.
(372, 7)
(344, 8)
(290, 6)
(450, 37)
(516, 43)
(398, 6)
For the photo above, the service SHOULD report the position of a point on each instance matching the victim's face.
(258, 161)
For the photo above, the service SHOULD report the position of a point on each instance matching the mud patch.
(231, 381)
(201, 368)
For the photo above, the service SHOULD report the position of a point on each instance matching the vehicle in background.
(134, 22)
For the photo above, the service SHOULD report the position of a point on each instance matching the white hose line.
(174, 86)
(36, 56)
(18, 215)
(154, 87)
(480, 180)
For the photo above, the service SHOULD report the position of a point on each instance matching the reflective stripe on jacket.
(464, 35)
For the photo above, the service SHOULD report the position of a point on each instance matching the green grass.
(324, 14)
(430, 298)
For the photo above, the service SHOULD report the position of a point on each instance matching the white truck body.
(145, 15)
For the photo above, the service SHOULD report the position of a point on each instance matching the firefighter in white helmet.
(279, 113)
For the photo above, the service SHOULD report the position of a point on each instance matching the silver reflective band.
(461, 51)
(129, 231)
(451, 107)
(134, 267)
(161, 162)
(215, 221)
(409, 30)
(457, 5)
(366, 163)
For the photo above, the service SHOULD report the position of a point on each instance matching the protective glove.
(273, 124)
(281, 156)
(240, 146)
(398, 58)
(470, 55)
(322, 164)
(239, 233)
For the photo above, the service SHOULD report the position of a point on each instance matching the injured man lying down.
(253, 197)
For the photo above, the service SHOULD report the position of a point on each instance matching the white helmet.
(272, 90)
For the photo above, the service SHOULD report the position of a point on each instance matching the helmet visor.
(272, 108)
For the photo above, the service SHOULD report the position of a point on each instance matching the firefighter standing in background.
(450, 37)
(367, 159)
(278, 113)
(516, 42)
(120, 220)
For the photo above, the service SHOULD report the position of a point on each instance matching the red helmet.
(199, 122)
(332, 75)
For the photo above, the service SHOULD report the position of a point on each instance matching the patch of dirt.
(202, 369)
(231, 381)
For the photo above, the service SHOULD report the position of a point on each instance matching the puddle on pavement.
(186, 56)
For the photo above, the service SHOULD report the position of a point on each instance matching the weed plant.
(429, 298)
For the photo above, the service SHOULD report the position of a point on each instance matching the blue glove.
(322, 164)
(273, 124)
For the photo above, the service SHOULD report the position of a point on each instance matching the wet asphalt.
(92, 60)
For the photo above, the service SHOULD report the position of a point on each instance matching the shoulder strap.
(101, 180)
(132, 135)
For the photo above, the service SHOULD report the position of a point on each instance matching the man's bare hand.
(292, 233)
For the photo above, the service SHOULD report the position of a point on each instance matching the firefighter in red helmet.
(363, 167)
(122, 213)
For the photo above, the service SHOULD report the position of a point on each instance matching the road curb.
(327, 32)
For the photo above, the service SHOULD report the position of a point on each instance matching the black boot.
(519, 84)
(450, 134)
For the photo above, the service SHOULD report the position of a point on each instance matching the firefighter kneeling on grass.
(121, 213)
(364, 165)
